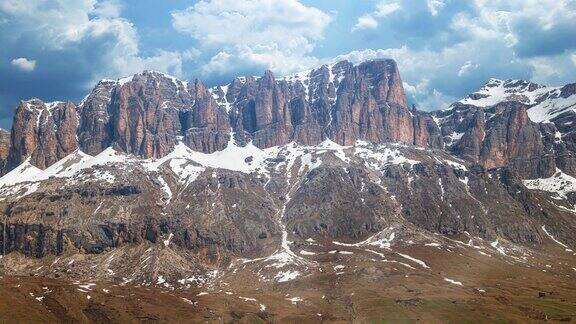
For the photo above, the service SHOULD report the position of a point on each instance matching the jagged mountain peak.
(153, 74)
(147, 113)
(518, 84)
(495, 91)
(39, 104)
(543, 103)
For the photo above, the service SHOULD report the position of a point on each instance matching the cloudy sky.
(58, 49)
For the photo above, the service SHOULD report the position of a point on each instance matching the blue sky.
(58, 49)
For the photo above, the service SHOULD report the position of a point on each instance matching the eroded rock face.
(342, 102)
(4, 148)
(426, 132)
(513, 139)
(145, 113)
(93, 216)
(94, 131)
(263, 109)
(371, 106)
(149, 113)
(223, 214)
(346, 205)
(43, 133)
(499, 136)
(206, 125)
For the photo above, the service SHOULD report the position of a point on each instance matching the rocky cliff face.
(512, 139)
(342, 102)
(145, 114)
(207, 126)
(517, 124)
(148, 113)
(499, 136)
(94, 131)
(371, 106)
(426, 131)
(4, 148)
(43, 133)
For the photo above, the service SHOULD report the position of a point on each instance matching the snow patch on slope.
(560, 184)
(555, 240)
(23, 173)
(496, 91)
(546, 102)
(377, 158)
(552, 107)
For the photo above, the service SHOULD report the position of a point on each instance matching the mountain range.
(281, 187)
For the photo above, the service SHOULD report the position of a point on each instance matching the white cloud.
(555, 70)
(24, 64)
(245, 57)
(370, 21)
(62, 24)
(505, 21)
(108, 8)
(275, 34)
(435, 6)
(384, 8)
(547, 13)
(366, 22)
(499, 18)
(467, 68)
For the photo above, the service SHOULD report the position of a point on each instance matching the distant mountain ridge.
(147, 114)
(514, 123)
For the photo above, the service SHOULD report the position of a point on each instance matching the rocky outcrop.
(451, 201)
(94, 131)
(348, 210)
(149, 113)
(4, 149)
(342, 102)
(498, 136)
(426, 131)
(513, 140)
(206, 124)
(95, 216)
(263, 109)
(43, 133)
(145, 114)
(371, 106)
(515, 123)
(472, 131)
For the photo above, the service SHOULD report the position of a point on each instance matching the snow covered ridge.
(546, 102)
(496, 91)
(177, 82)
(559, 184)
(187, 164)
